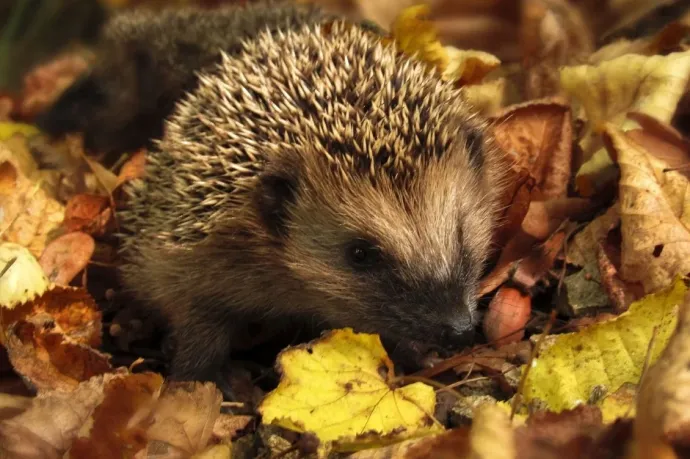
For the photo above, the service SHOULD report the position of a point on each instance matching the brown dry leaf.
(541, 221)
(118, 429)
(569, 434)
(28, 212)
(582, 250)
(66, 256)
(534, 267)
(538, 136)
(515, 199)
(133, 168)
(184, 417)
(491, 437)
(72, 311)
(553, 34)
(654, 212)
(451, 444)
(46, 428)
(51, 339)
(227, 426)
(51, 360)
(89, 213)
(662, 141)
(663, 402)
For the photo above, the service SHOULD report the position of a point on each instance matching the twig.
(528, 366)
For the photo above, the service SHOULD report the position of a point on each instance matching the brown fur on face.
(432, 232)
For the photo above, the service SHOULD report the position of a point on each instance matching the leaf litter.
(593, 247)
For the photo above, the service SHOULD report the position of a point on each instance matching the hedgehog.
(318, 173)
(315, 173)
(146, 60)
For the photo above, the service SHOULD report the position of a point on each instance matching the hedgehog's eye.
(362, 254)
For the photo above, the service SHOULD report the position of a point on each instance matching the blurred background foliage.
(31, 31)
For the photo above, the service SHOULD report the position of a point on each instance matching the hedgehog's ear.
(274, 193)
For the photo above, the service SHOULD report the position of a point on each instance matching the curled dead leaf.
(538, 137)
(89, 213)
(67, 256)
(654, 227)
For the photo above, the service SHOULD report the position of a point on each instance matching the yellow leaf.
(606, 354)
(338, 387)
(416, 35)
(663, 401)
(620, 404)
(7, 130)
(468, 66)
(29, 211)
(654, 209)
(609, 91)
(221, 451)
(21, 277)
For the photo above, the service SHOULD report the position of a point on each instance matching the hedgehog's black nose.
(453, 336)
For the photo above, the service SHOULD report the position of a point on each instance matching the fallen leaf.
(663, 402)
(222, 451)
(661, 141)
(8, 129)
(515, 199)
(632, 83)
(51, 339)
(619, 404)
(451, 444)
(416, 36)
(47, 427)
(583, 249)
(89, 213)
(569, 433)
(227, 426)
(28, 213)
(487, 98)
(537, 136)
(466, 67)
(112, 432)
(542, 220)
(492, 434)
(607, 354)
(21, 277)
(50, 360)
(338, 387)
(184, 417)
(534, 268)
(133, 168)
(12, 405)
(67, 256)
(654, 226)
(553, 33)
(508, 313)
